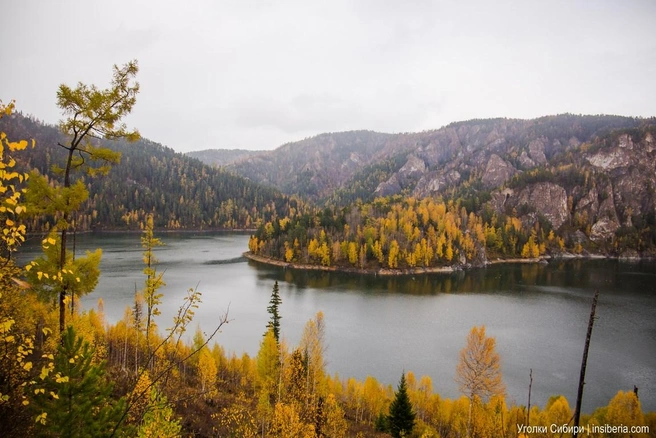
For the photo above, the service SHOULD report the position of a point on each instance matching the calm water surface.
(382, 326)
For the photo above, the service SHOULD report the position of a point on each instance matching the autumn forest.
(65, 371)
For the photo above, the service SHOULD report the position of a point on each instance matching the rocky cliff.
(591, 174)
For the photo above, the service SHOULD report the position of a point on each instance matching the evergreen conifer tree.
(274, 322)
(401, 418)
(75, 400)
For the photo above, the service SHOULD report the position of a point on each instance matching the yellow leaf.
(27, 366)
(71, 360)
(25, 402)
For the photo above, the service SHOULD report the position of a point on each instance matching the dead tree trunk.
(579, 397)
(530, 384)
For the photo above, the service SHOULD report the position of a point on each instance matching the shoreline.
(381, 271)
(156, 230)
(435, 270)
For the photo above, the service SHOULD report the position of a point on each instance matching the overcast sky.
(257, 74)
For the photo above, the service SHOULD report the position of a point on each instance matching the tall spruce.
(274, 322)
(401, 417)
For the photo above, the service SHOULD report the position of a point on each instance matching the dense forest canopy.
(182, 192)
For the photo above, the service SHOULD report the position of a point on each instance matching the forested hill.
(182, 192)
(463, 158)
(486, 189)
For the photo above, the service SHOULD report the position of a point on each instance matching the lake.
(380, 326)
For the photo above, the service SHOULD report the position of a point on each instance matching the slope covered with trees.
(595, 197)
(182, 192)
(318, 166)
(401, 234)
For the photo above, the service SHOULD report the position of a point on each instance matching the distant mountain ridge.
(222, 157)
(313, 167)
(420, 163)
(592, 177)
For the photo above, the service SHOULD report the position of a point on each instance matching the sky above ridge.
(258, 74)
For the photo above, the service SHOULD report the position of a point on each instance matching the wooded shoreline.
(431, 270)
(381, 271)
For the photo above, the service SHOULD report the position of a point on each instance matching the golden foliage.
(478, 373)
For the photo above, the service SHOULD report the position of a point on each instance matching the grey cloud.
(253, 74)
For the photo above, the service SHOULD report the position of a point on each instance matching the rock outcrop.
(497, 172)
(536, 151)
(548, 199)
(411, 171)
(389, 187)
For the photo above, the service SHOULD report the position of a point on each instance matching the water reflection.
(606, 275)
(538, 313)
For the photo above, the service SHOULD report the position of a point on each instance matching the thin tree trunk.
(469, 420)
(62, 254)
(584, 362)
(62, 292)
(530, 384)
(73, 253)
(125, 350)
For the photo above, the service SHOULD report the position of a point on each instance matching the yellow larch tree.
(207, 370)
(478, 373)
(624, 409)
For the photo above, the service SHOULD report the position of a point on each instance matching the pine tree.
(274, 322)
(401, 418)
(75, 400)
